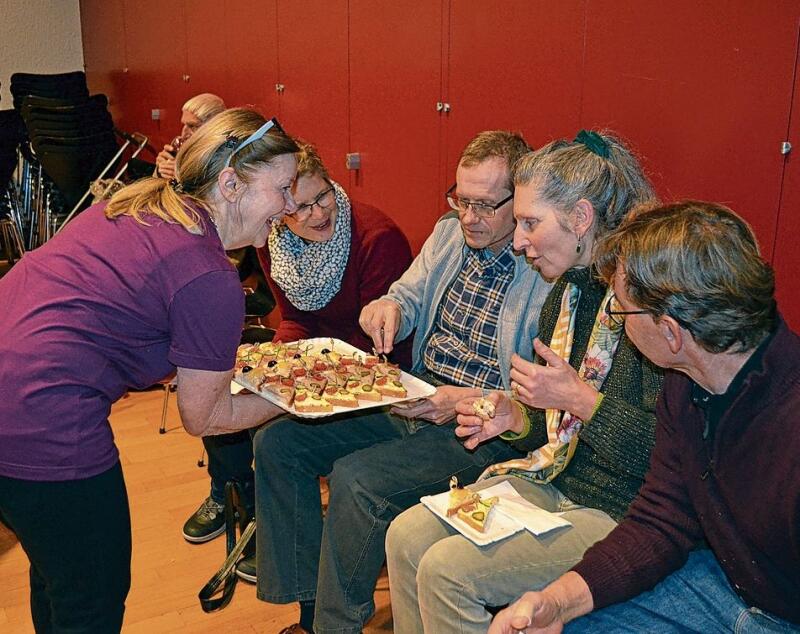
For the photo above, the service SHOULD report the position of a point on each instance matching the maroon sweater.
(379, 254)
(739, 490)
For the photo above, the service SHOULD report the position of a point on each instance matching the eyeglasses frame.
(471, 204)
(613, 314)
(309, 207)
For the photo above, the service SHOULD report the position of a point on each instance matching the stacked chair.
(71, 86)
(74, 142)
(12, 133)
(70, 142)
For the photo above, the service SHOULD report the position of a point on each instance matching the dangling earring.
(579, 246)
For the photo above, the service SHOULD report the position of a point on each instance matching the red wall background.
(706, 92)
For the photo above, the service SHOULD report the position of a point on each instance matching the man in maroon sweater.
(712, 542)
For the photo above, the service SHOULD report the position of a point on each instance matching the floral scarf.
(310, 273)
(545, 463)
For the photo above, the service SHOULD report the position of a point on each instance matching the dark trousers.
(230, 457)
(375, 471)
(77, 536)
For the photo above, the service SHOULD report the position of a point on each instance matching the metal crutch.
(128, 138)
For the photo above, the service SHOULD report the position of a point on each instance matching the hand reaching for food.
(380, 319)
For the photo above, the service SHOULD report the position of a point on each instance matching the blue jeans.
(696, 598)
(375, 470)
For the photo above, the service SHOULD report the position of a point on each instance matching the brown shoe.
(295, 629)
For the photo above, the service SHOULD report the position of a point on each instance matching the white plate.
(498, 526)
(415, 387)
(511, 514)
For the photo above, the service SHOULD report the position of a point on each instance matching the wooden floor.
(165, 486)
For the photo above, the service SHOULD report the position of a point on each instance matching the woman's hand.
(476, 430)
(552, 386)
(165, 162)
(439, 408)
(380, 319)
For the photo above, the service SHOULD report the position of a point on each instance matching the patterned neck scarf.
(310, 273)
(544, 464)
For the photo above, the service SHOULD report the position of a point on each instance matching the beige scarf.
(545, 463)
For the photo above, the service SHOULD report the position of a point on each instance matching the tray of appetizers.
(314, 378)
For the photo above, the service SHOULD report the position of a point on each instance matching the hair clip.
(594, 142)
(255, 136)
(176, 186)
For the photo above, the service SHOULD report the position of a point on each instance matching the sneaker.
(246, 569)
(206, 523)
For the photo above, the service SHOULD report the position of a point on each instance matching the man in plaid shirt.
(470, 303)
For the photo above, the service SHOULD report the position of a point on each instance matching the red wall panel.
(232, 51)
(313, 60)
(514, 65)
(395, 82)
(155, 45)
(703, 94)
(702, 90)
(786, 255)
(104, 53)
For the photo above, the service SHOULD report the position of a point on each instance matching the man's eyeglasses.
(323, 201)
(272, 123)
(615, 312)
(480, 209)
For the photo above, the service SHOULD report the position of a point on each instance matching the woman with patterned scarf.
(325, 264)
(584, 410)
(331, 259)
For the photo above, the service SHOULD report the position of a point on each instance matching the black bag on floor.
(236, 517)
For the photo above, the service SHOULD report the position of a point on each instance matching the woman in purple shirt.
(124, 296)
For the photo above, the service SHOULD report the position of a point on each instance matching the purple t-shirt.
(104, 306)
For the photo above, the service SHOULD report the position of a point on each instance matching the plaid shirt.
(462, 348)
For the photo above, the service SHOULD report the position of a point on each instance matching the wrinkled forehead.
(486, 180)
(190, 119)
(280, 171)
(308, 186)
(529, 203)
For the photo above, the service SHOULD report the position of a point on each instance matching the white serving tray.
(415, 387)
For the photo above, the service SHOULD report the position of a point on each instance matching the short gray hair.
(699, 263)
(568, 171)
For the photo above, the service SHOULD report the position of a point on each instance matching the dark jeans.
(77, 536)
(375, 471)
(230, 457)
